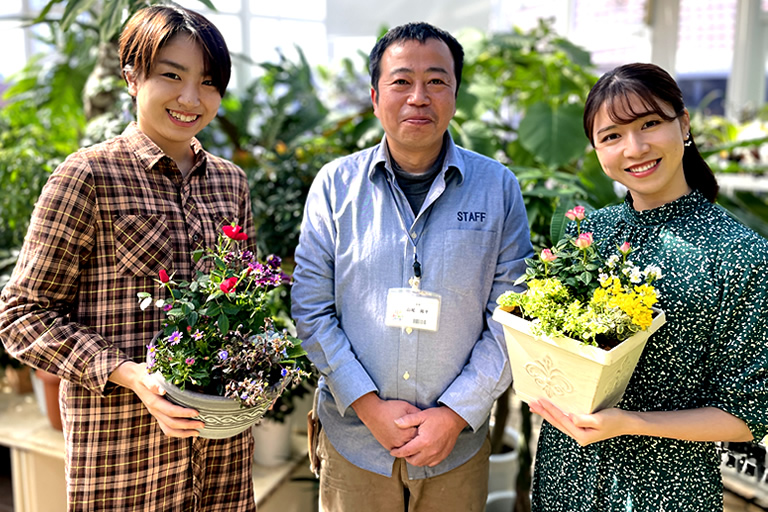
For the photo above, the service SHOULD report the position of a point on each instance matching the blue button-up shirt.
(358, 238)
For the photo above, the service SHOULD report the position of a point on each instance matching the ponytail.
(697, 172)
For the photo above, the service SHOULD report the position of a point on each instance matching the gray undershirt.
(416, 186)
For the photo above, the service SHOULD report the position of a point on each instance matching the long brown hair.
(654, 87)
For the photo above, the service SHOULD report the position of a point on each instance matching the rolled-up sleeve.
(35, 306)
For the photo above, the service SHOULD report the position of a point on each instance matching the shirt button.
(406, 376)
(196, 237)
(414, 235)
(408, 330)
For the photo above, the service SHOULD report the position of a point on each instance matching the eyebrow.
(435, 69)
(173, 64)
(606, 129)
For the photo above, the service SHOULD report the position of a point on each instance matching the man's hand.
(173, 419)
(380, 415)
(438, 429)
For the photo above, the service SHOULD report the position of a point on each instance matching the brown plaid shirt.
(109, 218)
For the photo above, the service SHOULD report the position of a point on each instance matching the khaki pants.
(345, 487)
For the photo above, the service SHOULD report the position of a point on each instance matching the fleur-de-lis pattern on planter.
(549, 378)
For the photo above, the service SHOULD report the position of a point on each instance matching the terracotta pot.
(19, 379)
(51, 388)
(575, 377)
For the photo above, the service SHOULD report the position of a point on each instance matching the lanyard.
(414, 281)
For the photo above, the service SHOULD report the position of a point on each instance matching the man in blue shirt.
(404, 248)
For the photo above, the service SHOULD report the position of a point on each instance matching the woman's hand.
(702, 424)
(174, 420)
(584, 428)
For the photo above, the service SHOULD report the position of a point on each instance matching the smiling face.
(646, 154)
(177, 99)
(416, 100)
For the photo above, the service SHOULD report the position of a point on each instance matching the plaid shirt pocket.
(142, 244)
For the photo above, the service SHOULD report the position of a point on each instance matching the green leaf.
(223, 323)
(111, 19)
(553, 133)
(73, 9)
(208, 4)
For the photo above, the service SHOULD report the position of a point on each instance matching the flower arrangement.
(572, 292)
(219, 337)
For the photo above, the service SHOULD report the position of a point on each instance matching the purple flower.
(190, 361)
(174, 338)
(197, 335)
(223, 355)
(167, 307)
(274, 261)
(283, 372)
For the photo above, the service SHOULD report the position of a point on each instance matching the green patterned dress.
(713, 351)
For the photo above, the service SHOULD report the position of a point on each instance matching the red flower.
(234, 233)
(228, 285)
(164, 276)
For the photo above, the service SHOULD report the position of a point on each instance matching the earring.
(688, 140)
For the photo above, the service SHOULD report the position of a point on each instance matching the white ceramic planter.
(500, 501)
(575, 377)
(272, 442)
(503, 467)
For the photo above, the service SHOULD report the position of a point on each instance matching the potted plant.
(577, 333)
(218, 351)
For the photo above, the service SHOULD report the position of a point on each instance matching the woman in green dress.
(703, 376)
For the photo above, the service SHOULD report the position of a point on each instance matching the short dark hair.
(654, 87)
(420, 32)
(151, 28)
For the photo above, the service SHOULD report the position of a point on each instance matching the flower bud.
(583, 241)
(625, 248)
(164, 276)
(548, 256)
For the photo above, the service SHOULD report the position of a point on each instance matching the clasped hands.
(421, 437)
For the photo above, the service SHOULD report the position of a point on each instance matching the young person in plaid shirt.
(108, 220)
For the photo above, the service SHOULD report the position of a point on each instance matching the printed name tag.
(407, 307)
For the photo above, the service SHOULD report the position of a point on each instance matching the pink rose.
(548, 256)
(583, 241)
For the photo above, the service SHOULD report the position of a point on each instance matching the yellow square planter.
(575, 377)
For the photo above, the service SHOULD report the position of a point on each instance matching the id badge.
(412, 309)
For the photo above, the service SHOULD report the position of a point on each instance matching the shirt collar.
(381, 163)
(149, 154)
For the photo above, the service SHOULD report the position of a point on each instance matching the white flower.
(159, 303)
(612, 260)
(652, 271)
(636, 276)
(144, 304)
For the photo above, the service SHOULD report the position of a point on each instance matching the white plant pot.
(272, 442)
(500, 501)
(575, 377)
(502, 474)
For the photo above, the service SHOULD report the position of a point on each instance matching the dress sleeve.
(35, 305)
(739, 356)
